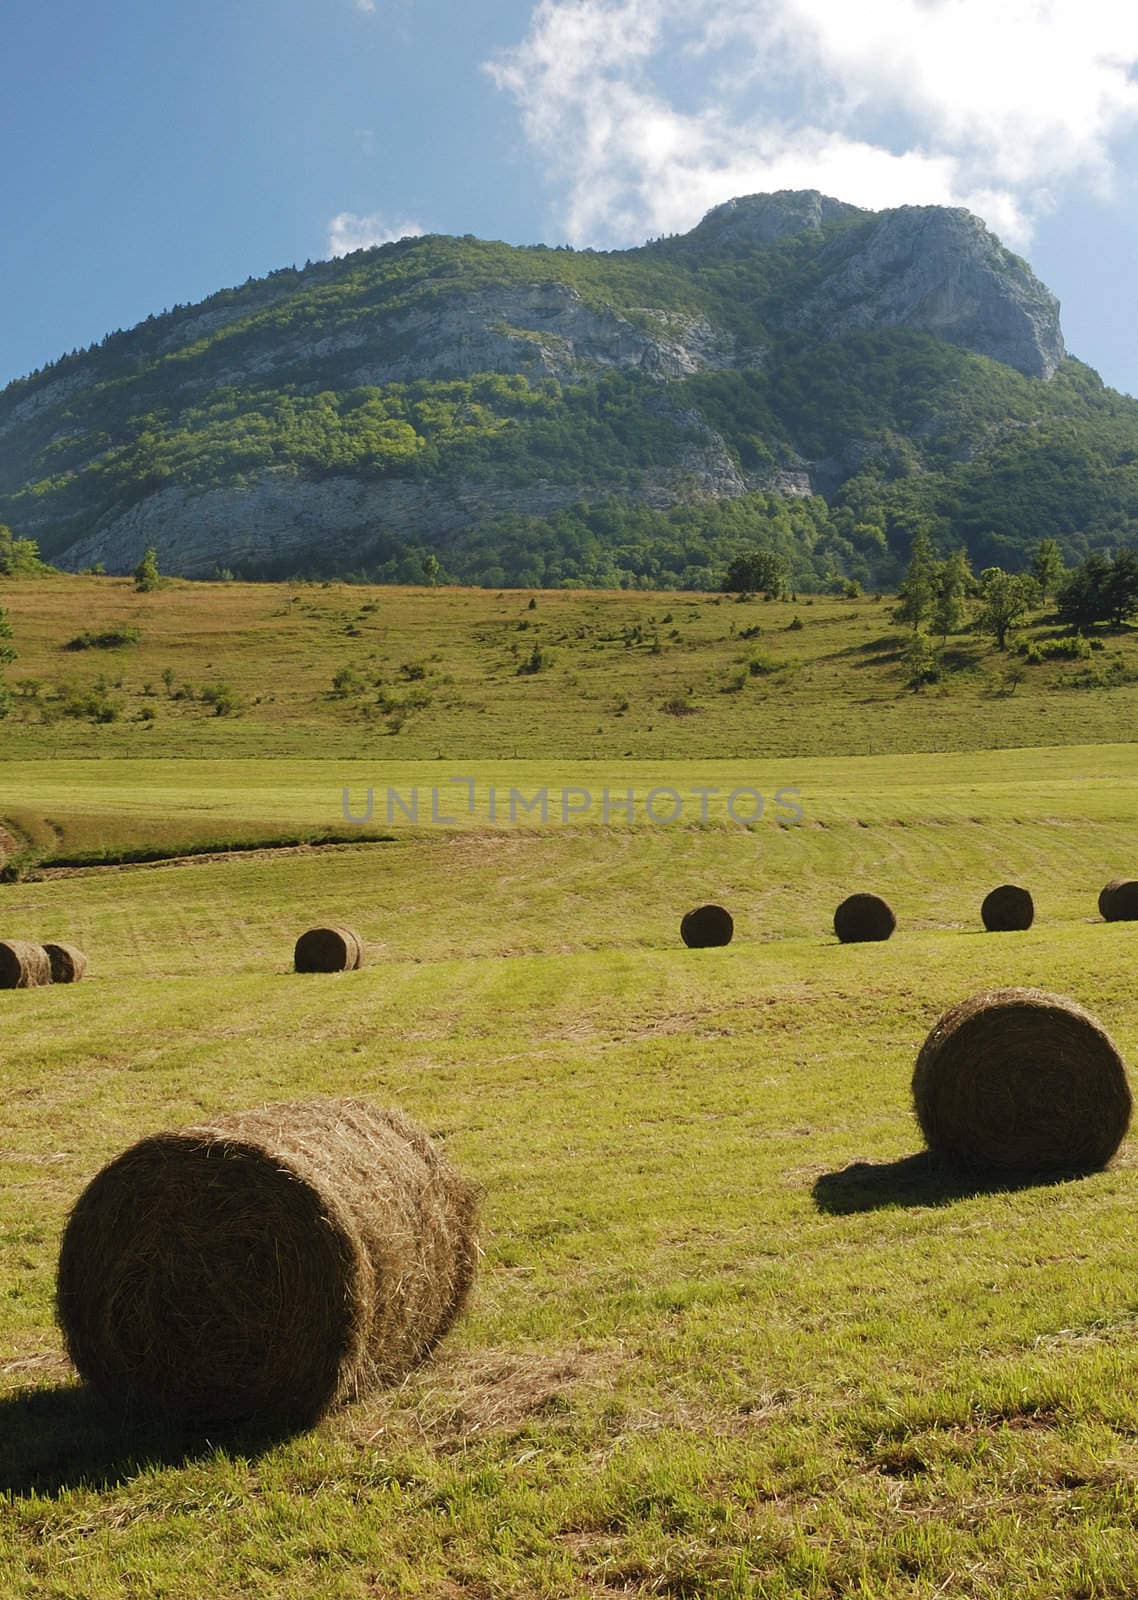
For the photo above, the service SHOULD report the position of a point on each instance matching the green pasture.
(731, 1336)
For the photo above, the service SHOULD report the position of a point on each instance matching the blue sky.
(155, 151)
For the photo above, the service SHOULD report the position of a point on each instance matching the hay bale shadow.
(919, 1180)
(54, 1440)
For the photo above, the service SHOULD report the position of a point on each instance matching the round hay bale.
(862, 918)
(68, 965)
(268, 1265)
(1007, 909)
(707, 926)
(328, 950)
(1018, 1080)
(1118, 901)
(23, 965)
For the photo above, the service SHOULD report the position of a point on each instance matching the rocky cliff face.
(942, 272)
(931, 268)
(280, 518)
(538, 330)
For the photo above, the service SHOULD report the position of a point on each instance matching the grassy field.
(438, 673)
(732, 1335)
(85, 811)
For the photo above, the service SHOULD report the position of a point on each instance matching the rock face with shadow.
(941, 271)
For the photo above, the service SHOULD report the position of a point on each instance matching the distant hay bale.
(1118, 900)
(23, 965)
(707, 926)
(1007, 909)
(68, 965)
(265, 1266)
(328, 950)
(1019, 1080)
(863, 918)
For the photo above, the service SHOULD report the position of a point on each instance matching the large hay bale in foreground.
(1008, 909)
(68, 965)
(1018, 1080)
(707, 926)
(1118, 900)
(23, 965)
(265, 1266)
(328, 950)
(862, 918)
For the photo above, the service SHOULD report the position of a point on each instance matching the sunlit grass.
(705, 1356)
(435, 674)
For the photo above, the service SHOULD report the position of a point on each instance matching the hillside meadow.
(732, 1335)
(251, 670)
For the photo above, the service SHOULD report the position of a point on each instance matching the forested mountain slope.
(794, 371)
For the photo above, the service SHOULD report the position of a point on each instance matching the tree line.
(943, 596)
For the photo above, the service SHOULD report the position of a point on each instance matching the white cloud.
(367, 6)
(348, 232)
(993, 104)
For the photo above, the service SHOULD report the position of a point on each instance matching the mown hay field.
(83, 811)
(731, 1334)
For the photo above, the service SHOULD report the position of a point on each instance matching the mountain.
(794, 372)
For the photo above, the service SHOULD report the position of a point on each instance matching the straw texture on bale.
(265, 1266)
(1118, 901)
(1007, 909)
(706, 926)
(1019, 1080)
(23, 965)
(68, 965)
(328, 950)
(863, 918)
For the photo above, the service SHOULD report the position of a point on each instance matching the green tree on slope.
(19, 558)
(1047, 568)
(918, 592)
(146, 575)
(1121, 593)
(1100, 590)
(1006, 598)
(7, 655)
(756, 570)
(954, 582)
